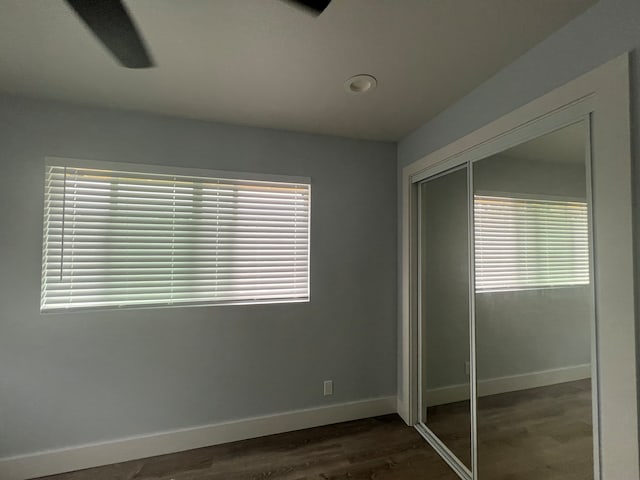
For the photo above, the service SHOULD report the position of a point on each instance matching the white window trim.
(529, 196)
(171, 170)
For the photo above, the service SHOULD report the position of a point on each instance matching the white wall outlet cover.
(328, 387)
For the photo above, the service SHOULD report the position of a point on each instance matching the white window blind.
(120, 239)
(529, 243)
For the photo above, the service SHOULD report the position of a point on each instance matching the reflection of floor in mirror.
(452, 424)
(539, 433)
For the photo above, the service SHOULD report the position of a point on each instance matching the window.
(124, 238)
(529, 243)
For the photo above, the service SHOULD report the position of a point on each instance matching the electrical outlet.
(467, 368)
(328, 387)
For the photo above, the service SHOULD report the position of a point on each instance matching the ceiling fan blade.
(111, 23)
(316, 6)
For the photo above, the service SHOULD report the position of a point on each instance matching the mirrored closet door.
(445, 388)
(506, 298)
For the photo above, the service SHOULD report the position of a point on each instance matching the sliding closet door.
(445, 411)
(534, 310)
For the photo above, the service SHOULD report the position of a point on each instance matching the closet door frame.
(438, 445)
(602, 96)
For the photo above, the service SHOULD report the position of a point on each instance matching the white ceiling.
(265, 63)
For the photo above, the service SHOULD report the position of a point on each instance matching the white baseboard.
(511, 383)
(86, 456)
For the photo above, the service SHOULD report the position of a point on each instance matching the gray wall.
(69, 379)
(603, 32)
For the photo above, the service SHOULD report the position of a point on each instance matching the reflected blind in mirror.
(525, 243)
(124, 239)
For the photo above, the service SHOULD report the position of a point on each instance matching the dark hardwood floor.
(541, 434)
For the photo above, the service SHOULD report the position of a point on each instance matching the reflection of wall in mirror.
(445, 278)
(531, 337)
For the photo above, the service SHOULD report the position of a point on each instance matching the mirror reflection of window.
(525, 243)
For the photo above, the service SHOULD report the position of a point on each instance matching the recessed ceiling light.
(359, 84)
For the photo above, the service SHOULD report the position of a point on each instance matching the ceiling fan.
(111, 23)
